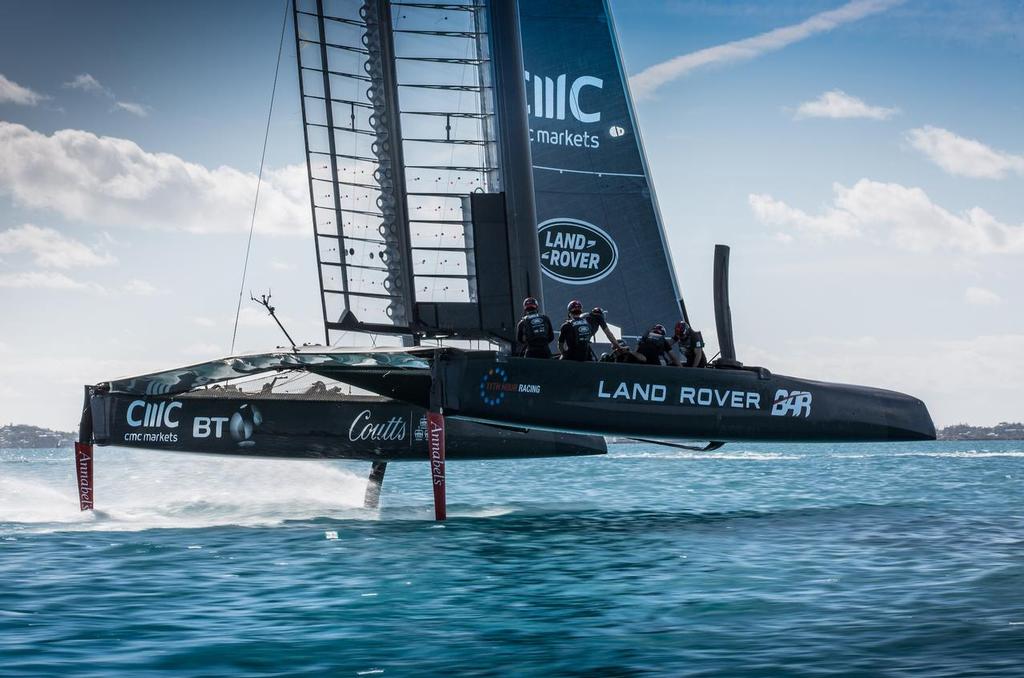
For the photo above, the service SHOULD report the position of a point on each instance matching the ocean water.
(755, 560)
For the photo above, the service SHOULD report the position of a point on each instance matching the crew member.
(691, 345)
(534, 332)
(597, 318)
(656, 348)
(575, 334)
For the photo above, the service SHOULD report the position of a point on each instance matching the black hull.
(673, 403)
(297, 427)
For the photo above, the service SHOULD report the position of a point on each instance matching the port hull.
(298, 427)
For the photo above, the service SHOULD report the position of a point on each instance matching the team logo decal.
(575, 252)
(495, 384)
(243, 424)
(792, 403)
(492, 386)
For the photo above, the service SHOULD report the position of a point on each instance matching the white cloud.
(12, 92)
(87, 83)
(647, 81)
(204, 322)
(140, 288)
(902, 216)
(962, 156)
(838, 104)
(44, 280)
(979, 296)
(106, 181)
(135, 109)
(50, 248)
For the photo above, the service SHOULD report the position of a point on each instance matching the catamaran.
(463, 156)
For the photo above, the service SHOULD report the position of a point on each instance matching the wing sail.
(599, 227)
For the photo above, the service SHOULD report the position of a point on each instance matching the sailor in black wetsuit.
(575, 335)
(691, 345)
(534, 333)
(656, 348)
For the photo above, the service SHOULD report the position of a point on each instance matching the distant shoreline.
(22, 436)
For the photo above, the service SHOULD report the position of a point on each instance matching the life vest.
(536, 329)
(584, 333)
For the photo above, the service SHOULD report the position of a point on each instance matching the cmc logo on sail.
(575, 252)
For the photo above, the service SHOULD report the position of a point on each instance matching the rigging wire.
(259, 178)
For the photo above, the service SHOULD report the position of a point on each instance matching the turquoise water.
(760, 560)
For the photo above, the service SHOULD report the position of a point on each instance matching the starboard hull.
(294, 427)
(673, 403)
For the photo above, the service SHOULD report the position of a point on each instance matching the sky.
(864, 159)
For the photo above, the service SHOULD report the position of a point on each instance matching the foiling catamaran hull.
(666, 403)
(282, 426)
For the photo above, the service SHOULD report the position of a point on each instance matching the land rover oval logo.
(575, 252)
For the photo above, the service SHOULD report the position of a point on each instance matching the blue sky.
(870, 178)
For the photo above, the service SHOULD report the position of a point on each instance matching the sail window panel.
(371, 254)
(340, 33)
(368, 281)
(318, 140)
(461, 180)
(347, 88)
(323, 194)
(346, 115)
(340, 9)
(458, 71)
(441, 154)
(316, 111)
(359, 199)
(320, 167)
(371, 310)
(431, 262)
(330, 250)
(441, 126)
(407, 16)
(345, 60)
(434, 289)
(439, 100)
(333, 278)
(347, 142)
(308, 31)
(312, 84)
(326, 221)
(366, 228)
(359, 172)
(425, 206)
(426, 235)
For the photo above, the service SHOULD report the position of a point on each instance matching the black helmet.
(597, 311)
(682, 329)
(575, 306)
(530, 304)
(659, 329)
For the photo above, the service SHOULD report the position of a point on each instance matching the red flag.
(435, 447)
(83, 469)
